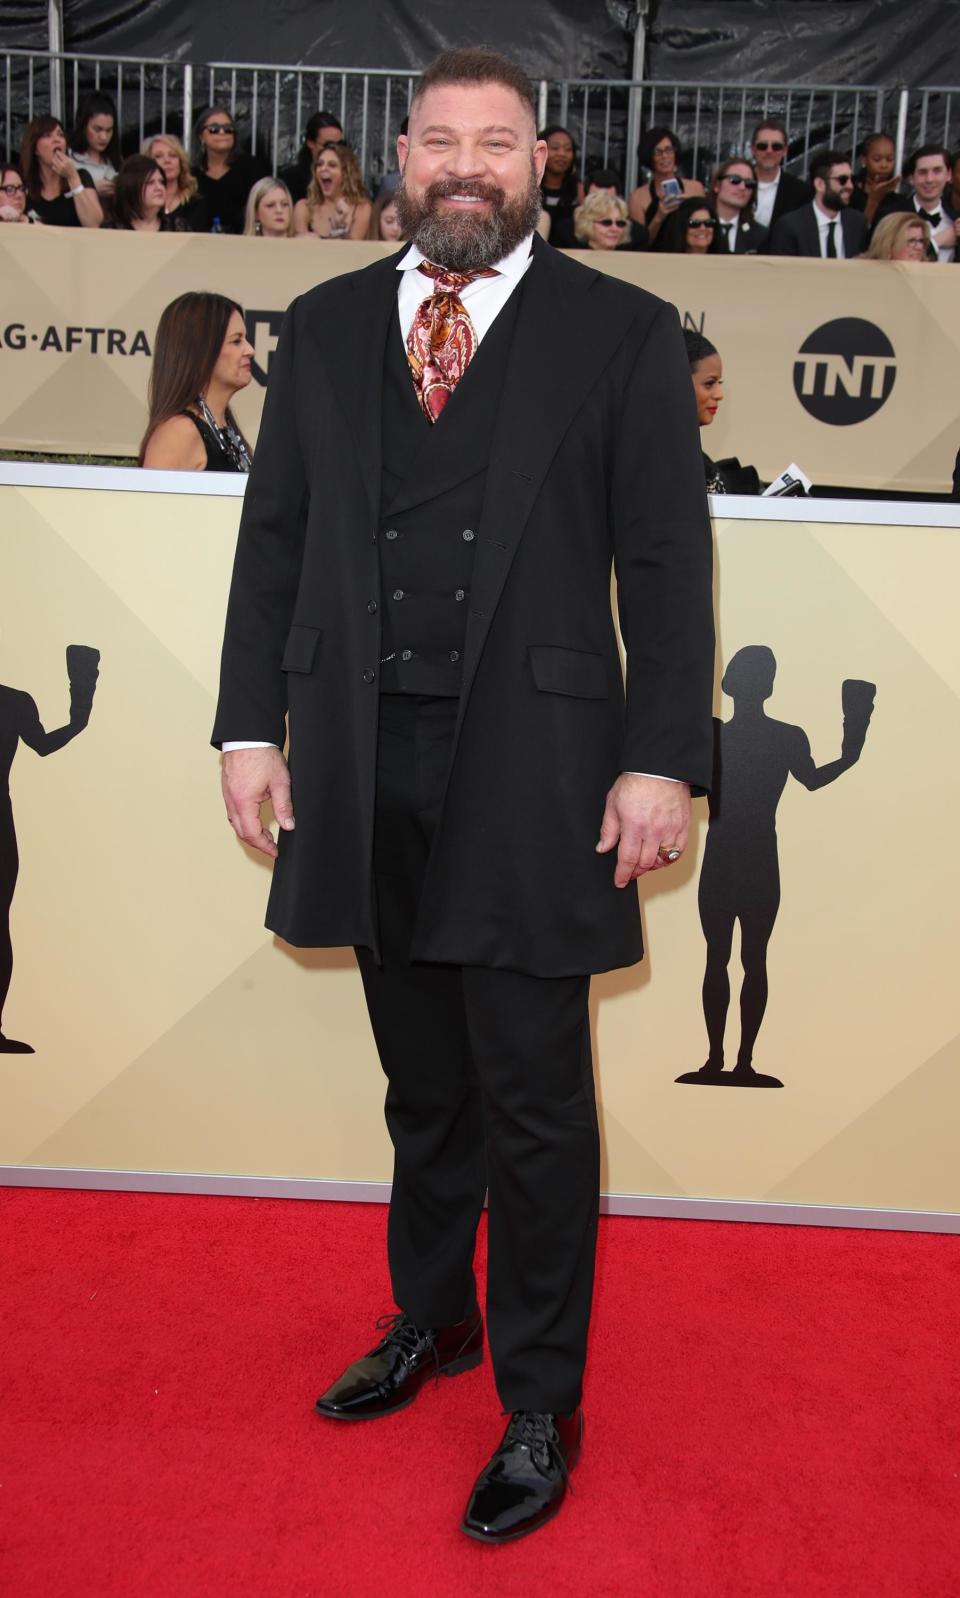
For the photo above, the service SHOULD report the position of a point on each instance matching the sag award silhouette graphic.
(740, 876)
(19, 719)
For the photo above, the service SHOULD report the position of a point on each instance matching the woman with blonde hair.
(337, 205)
(384, 221)
(182, 200)
(601, 222)
(903, 236)
(269, 212)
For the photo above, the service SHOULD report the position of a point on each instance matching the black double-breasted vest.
(432, 484)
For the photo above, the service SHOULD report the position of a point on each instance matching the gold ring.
(670, 855)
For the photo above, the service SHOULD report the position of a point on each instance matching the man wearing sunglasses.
(826, 228)
(777, 191)
(734, 187)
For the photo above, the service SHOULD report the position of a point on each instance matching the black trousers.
(490, 1088)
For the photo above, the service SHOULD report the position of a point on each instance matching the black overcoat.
(595, 459)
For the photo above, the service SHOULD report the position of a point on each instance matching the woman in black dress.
(693, 229)
(224, 175)
(706, 370)
(560, 189)
(201, 359)
(58, 194)
(651, 204)
(139, 198)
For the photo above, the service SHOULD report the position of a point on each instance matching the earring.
(258, 228)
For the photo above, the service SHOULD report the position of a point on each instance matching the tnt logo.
(263, 330)
(844, 371)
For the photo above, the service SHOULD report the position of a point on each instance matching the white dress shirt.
(729, 229)
(766, 200)
(483, 298)
(823, 223)
(944, 234)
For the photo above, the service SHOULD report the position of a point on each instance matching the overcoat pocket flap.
(569, 671)
(301, 648)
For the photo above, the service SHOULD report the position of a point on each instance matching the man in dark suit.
(734, 186)
(777, 191)
(931, 196)
(434, 621)
(826, 228)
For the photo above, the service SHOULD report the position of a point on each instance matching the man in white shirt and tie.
(826, 228)
(467, 776)
(927, 171)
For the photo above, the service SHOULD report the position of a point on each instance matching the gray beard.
(468, 243)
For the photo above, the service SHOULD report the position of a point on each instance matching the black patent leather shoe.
(392, 1374)
(525, 1483)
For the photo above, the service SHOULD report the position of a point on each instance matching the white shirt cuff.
(252, 744)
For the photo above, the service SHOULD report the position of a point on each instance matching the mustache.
(445, 188)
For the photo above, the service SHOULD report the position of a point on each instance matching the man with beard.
(827, 227)
(462, 759)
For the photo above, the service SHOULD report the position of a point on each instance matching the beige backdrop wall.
(172, 1033)
(80, 311)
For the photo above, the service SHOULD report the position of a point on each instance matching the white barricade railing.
(272, 104)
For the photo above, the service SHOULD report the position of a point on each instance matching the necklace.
(228, 438)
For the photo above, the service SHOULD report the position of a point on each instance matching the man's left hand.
(644, 814)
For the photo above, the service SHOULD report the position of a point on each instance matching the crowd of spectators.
(751, 205)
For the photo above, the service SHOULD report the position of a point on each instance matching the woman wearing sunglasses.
(691, 230)
(224, 175)
(733, 190)
(601, 222)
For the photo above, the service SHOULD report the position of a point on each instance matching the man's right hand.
(251, 777)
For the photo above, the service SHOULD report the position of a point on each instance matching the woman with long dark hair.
(560, 188)
(201, 359)
(95, 140)
(691, 230)
(224, 174)
(652, 203)
(58, 194)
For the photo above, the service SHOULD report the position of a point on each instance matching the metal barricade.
(934, 117)
(272, 105)
(713, 121)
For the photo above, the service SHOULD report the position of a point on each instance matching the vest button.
(372, 607)
(460, 594)
(391, 533)
(369, 676)
(406, 654)
(454, 655)
(468, 535)
(398, 593)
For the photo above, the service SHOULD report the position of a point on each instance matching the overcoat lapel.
(355, 349)
(548, 378)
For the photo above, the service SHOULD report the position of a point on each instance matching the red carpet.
(769, 1410)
